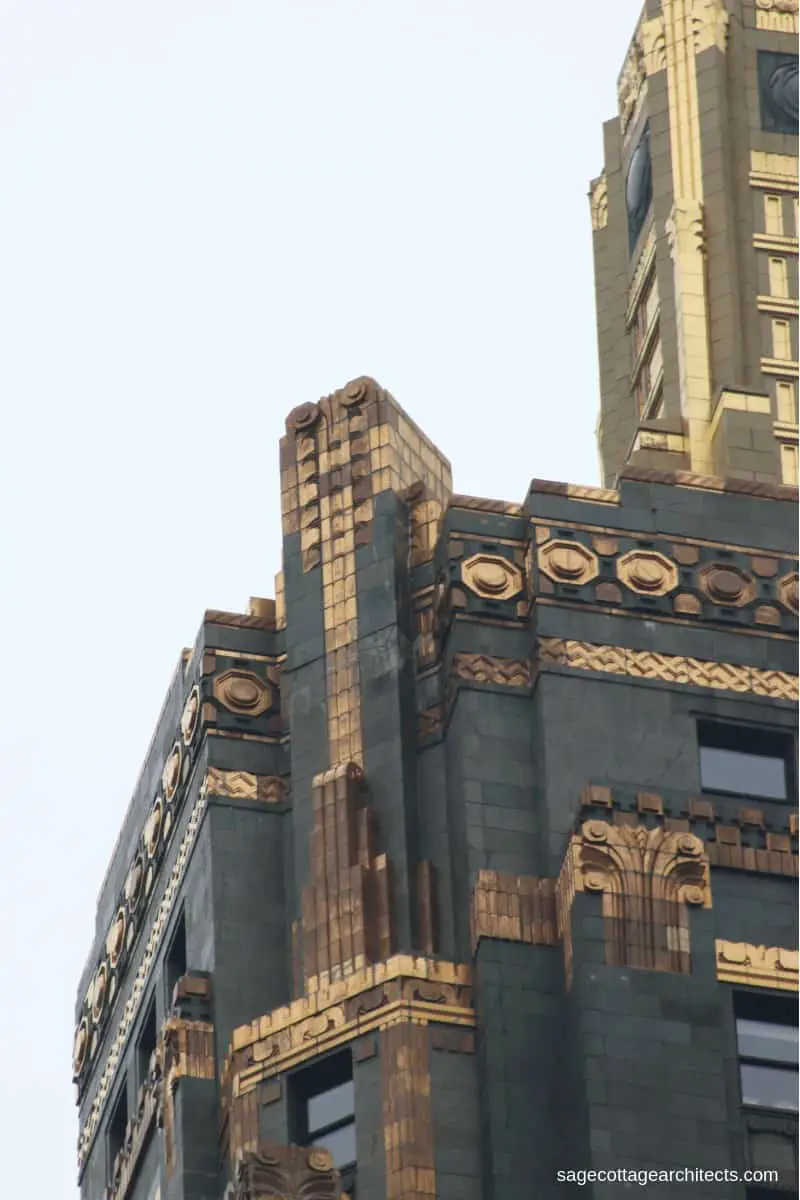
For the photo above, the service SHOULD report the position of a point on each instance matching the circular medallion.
(133, 884)
(567, 562)
(116, 938)
(80, 1048)
(189, 716)
(647, 572)
(491, 576)
(303, 417)
(152, 829)
(596, 831)
(243, 692)
(594, 881)
(693, 895)
(727, 585)
(171, 775)
(319, 1159)
(354, 392)
(689, 844)
(99, 989)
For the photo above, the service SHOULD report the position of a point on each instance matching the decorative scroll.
(757, 966)
(286, 1173)
(487, 668)
(647, 878)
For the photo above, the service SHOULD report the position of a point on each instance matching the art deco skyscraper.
(695, 244)
(465, 864)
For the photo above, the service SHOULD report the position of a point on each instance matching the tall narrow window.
(175, 962)
(789, 464)
(778, 277)
(323, 1102)
(146, 1044)
(744, 761)
(116, 1126)
(781, 339)
(773, 214)
(786, 405)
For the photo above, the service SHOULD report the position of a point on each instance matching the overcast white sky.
(209, 213)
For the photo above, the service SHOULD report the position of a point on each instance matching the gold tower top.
(695, 232)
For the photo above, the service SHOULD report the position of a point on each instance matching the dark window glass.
(744, 761)
(116, 1126)
(175, 963)
(767, 1041)
(146, 1044)
(340, 1142)
(334, 1105)
(777, 86)
(323, 1107)
(769, 1087)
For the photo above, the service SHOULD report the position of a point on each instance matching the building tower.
(695, 244)
(466, 864)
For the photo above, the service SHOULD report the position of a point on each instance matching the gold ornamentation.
(407, 1112)
(171, 775)
(275, 1172)
(347, 912)
(710, 25)
(688, 605)
(484, 668)
(654, 45)
(516, 908)
(242, 785)
(779, 16)
(671, 668)
(152, 830)
(568, 562)
(185, 1050)
(647, 572)
(482, 504)
(80, 1048)
(335, 1012)
(116, 938)
(646, 877)
(631, 84)
(133, 884)
(131, 1008)
(243, 692)
(599, 203)
(757, 966)
(491, 576)
(98, 992)
(726, 584)
(359, 444)
(787, 592)
(189, 716)
(126, 1163)
(320, 1160)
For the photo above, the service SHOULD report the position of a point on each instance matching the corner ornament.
(647, 878)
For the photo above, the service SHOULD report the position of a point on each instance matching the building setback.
(471, 857)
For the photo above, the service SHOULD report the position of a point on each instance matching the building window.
(744, 761)
(323, 1104)
(786, 406)
(789, 464)
(145, 1047)
(175, 961)
(773, 214)
(781, 339)
(778, 278)
(766, 1038)
(118, 1123)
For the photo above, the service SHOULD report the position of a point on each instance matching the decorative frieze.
(757, 966)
